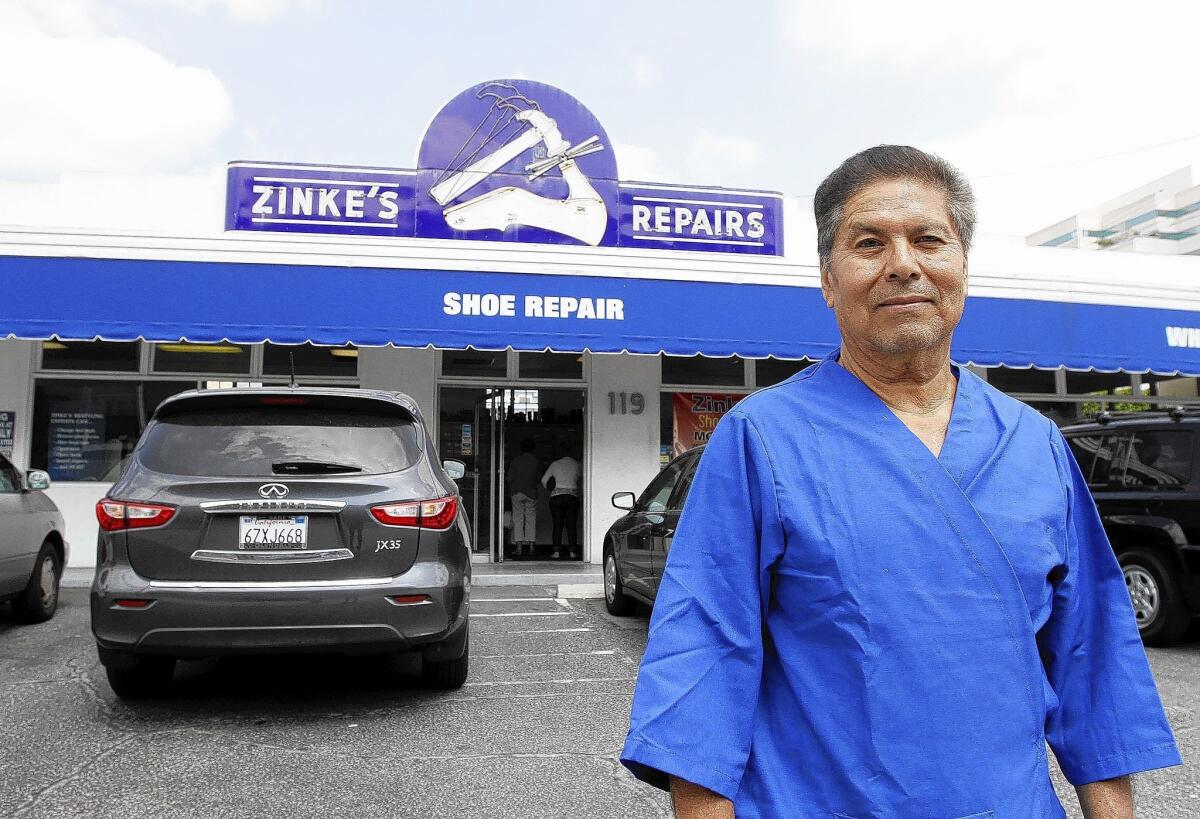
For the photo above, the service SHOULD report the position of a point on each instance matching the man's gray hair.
(891, 162)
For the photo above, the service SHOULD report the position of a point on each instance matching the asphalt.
(534, 733)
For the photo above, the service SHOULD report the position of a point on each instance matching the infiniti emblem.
(273, 490)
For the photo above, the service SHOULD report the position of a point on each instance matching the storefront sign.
(696, 415)
(510, 161)
(76, 445)
(8, 428)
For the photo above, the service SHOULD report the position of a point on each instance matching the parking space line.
(497, 683)
(605, 653)
(549, 631)
(512, 599)
(522, 614)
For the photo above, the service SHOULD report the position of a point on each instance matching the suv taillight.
(428, 514)
(115, 515)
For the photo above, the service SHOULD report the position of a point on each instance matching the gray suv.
(281, 520)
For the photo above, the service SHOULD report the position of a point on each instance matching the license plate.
(273, 532)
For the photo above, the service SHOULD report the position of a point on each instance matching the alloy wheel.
(1143, 593)
(610, 578)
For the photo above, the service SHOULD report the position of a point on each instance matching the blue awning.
(83, 298)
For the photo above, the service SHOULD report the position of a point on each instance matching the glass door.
(509, 437)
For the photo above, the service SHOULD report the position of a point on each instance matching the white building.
(1161, 217)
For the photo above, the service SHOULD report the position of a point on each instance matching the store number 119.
(626, 403)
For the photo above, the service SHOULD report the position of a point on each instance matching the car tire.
(447, 675)
(615, 599)
(38, 602)
(140, 677)
(1158, 607)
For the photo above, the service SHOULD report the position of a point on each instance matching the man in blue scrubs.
(890, 588)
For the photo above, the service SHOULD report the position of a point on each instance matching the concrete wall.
(411, 371)
(622, 448)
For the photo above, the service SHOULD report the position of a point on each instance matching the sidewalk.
(573, 579)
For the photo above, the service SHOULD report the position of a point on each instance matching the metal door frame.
(497, 450)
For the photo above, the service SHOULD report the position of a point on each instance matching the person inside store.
(890, 587)
(562, 479)
(522, 482)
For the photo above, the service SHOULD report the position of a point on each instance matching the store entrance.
(510, 438)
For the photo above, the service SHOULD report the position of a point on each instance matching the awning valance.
(118, 299)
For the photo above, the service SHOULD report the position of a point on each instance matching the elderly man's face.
(897, 275)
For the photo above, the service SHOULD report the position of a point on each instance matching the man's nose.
(902, 261)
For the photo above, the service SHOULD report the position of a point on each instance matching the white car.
(33, 548)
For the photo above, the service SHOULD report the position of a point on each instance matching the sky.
(121, 114)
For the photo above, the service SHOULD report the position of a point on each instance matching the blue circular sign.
(517, 160)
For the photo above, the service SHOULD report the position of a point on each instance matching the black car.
(636, 546)
(1144, 473)
(281, 520)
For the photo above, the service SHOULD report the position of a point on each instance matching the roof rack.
(1174, 413)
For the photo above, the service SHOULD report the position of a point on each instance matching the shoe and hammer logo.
(273, 491)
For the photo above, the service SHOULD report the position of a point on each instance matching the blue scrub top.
(848, 626)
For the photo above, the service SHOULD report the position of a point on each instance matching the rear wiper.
(312, 467)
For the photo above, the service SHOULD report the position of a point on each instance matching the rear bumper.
(215, 619)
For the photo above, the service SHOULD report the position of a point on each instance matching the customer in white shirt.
(562, 479)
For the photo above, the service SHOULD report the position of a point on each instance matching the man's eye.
(931, 240)
(868, 243)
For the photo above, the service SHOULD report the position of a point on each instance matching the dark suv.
(1144, 473)
(636, 546)
(281, 520)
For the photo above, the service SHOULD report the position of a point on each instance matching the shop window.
(83, 429)
(1094, 383)
(550, 365)
(186, 357)
(768, 371)
(95, 356)
(1017, 380)
(311, 359)
(702, 370)
(471, 363)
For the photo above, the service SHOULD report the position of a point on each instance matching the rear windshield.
(279, 441)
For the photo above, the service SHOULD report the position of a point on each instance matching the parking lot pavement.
(534, 733)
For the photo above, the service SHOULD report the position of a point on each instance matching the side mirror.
(36, 480)
(623, 500)
(455, 469)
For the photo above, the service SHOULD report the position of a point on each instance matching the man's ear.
(826, 285)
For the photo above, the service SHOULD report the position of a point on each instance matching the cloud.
(710, 158)
(1048, 86)
(641, 163)
(98, 102)
(242, 11)
(646, 72)
(184, 203)
(722, 158)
